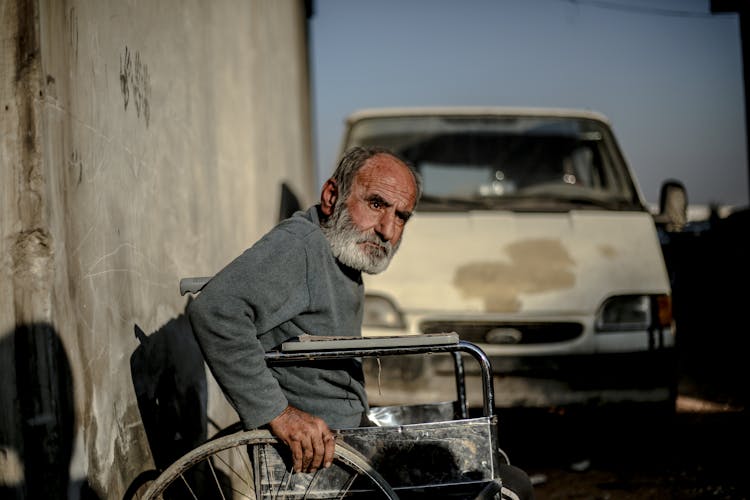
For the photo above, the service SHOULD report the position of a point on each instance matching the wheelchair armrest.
(193, 285)
(324, 343)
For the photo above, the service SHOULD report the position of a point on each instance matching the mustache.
(383, 247)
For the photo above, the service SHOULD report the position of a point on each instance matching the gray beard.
(345, 239)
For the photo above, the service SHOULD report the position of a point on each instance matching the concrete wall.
(141, 142)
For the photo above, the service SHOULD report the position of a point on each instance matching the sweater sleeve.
(258, 291)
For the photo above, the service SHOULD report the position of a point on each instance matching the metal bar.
(278, 357)
(458, 363)
(488, 388)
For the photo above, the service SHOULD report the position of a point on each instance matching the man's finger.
(308, 452)
(330, 446)
(296, 449)
(319, 448)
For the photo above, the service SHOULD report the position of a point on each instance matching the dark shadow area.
(622, 454)
(140, 484)
(37, 418)
(170, 384)
(419, 463)
(289, 203)
(709, 266)
(426, 469)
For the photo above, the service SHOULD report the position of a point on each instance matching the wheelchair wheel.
(255, 465)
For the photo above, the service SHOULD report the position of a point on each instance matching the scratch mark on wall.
(134, 77)
(76, 164)
(84, 239)
(125, 253)
(535, 266)
(137, 162)
(142, 89)
(113, 253)
(124, 76)
(73, 31)
(126, 270)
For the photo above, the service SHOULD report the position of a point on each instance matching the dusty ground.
(701, 453)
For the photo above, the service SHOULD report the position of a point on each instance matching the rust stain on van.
(608, 251)
(534, 266)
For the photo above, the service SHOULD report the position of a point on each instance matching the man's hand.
(311, 441)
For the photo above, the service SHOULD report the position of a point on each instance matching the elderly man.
(304, 277)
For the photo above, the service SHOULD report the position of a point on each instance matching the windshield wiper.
(450, 202)
(524, 202)
(590, 201)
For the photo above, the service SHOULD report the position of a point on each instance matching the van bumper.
(531, 381)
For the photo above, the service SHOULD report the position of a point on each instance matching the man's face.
(365, 229)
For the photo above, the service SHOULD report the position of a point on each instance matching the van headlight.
(635, 312)
(381, 312)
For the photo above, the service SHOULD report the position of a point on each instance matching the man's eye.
(376, 203)
(402, 219)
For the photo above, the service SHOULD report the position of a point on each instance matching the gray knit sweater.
(286, 284)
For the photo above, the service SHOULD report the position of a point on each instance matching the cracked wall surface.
(141, 142)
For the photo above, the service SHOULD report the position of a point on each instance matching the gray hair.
(355, 158)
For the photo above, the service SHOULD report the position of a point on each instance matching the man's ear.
(328, 197)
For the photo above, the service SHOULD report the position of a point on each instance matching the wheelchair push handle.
(193, 285)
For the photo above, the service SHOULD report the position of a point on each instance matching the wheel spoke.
(248, 464)
(231, 468)
(216, 479)
(188, 487)
(348, 485)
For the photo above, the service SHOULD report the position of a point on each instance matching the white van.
(532, 240)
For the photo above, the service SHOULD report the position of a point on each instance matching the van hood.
(551, 263)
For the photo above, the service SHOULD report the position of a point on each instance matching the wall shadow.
(171, 388)
(170, 384)
(288, 202)
(37, 418)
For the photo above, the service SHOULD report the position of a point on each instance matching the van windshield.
(512, 162)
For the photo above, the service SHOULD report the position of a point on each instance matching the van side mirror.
(673, 205)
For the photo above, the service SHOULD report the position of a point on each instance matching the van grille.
(517, 333)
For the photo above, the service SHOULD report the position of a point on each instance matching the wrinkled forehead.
(387, 176)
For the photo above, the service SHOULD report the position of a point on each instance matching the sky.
(667, 74)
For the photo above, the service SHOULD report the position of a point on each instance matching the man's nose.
(386, 226)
